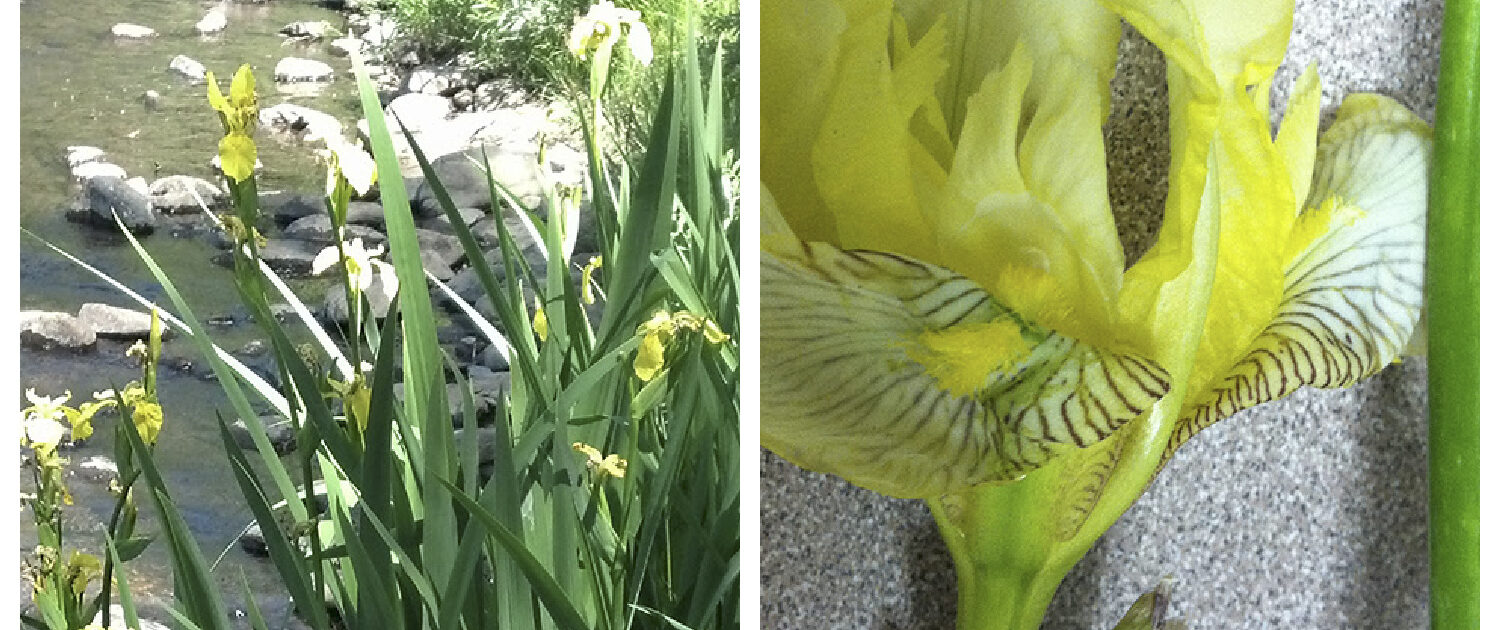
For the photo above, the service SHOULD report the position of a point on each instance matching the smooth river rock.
(131, 31)
(318, 228)
(79, 154)
(43, 330)
(93, 170)
(104, 197)
(299, 70)
(213, 22)
(173, 194)
(304, 123)
(113, 322)
(315, 29)
(279, 431)
(284, 256)
(187, 67)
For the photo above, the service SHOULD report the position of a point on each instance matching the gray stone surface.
(1305, 513)
(42, 330)
(113, 322)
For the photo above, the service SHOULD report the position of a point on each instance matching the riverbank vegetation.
(599, 489)
(513, 38)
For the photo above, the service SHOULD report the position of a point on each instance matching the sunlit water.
(81, 86)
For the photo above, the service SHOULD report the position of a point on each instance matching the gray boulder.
(173, 194)
(104, 197)
(444, 248)
(299, 70)
(213, 22)
(492, 358)
(187, 67)
(369, 213)
(442, 225)
(347, 45)
(312, 29)
(285, 256)
(318, 228)
(42, 330)
(287, 207)
(463, 100)
(439, 80)
(304, 123)
(96, 169)
(97, 469)
(113, 322)
(131, 31)
(79, 154)
(417, 111)
(279, 431)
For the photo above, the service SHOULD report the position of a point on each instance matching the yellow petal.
(1353, 274)
(237, 156)
(539, 322)
(1220, 45)
(215, 97)
(861, 154)
(908, 379)
(651, 356)
(242, 88)
(1297, 139)
(1034, 197)
(799, 61)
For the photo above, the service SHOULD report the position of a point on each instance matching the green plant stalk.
(1453, 325)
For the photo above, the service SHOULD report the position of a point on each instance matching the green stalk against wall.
(1453, 322)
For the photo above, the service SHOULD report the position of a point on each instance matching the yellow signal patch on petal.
(964, 358)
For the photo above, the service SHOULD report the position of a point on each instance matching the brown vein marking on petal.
(1353, 296)
(841, 392)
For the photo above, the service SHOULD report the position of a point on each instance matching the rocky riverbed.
(115, 122)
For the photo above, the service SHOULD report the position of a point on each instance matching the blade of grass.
(379, 460)
(645, 222)
(127, 602)
(194, 588)
(227, 380)
(283, 552)
(252, 610)
(547, 589)
(426, 397)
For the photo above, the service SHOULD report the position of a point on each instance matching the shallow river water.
(81, 86)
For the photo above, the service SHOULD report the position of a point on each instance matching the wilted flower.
(651, 356)
(597, 463)
(594, 264)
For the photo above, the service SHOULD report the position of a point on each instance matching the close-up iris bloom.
(946, 310)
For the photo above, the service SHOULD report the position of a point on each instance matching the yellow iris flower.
(945, 309)
(239, 114)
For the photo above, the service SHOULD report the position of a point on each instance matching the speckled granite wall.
(1306, 513)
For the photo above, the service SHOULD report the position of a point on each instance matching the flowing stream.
(82, 86)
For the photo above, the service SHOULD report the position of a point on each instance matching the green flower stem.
(1453, 322)
(1005, 575)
